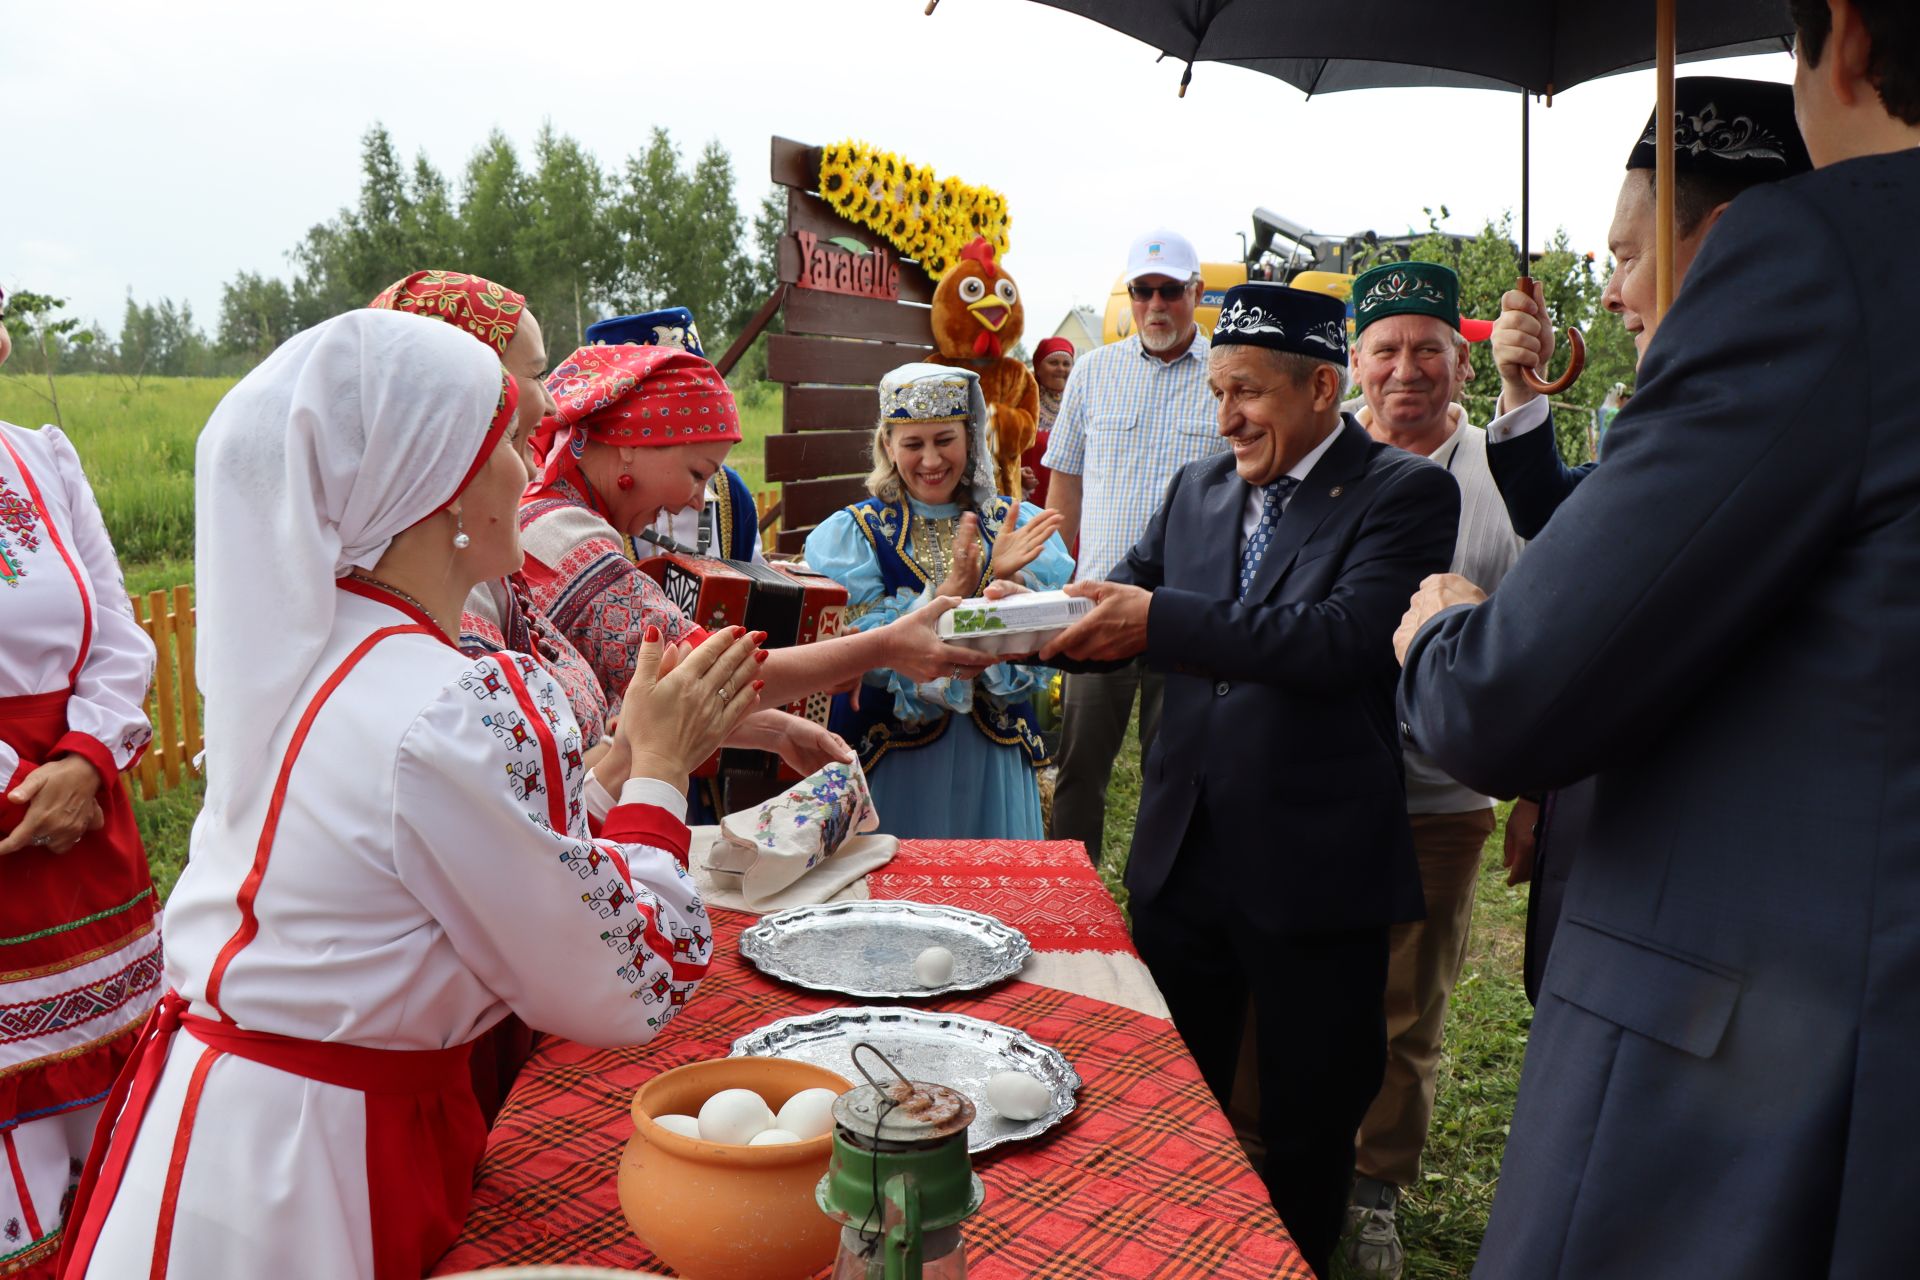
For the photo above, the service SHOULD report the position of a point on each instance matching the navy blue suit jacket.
(1533, 481)
(1278, 711)
(1723, 625)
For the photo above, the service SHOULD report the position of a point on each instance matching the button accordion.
(793, 605)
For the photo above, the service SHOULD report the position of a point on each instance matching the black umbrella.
(1535, 46)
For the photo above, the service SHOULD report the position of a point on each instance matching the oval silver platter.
(867, 949)
(943, 1048)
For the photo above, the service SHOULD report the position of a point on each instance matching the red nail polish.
(760, 656)
(759, 637)
(653, 635)
(758, 685)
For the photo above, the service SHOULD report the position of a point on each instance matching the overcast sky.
(162, 148)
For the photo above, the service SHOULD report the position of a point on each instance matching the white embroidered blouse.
(63, 607)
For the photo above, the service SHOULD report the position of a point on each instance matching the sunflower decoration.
(926, 217)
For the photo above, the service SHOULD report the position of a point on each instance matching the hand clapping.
(1015, 549)
(674, 721)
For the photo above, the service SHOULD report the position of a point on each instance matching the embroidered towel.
(803, 846)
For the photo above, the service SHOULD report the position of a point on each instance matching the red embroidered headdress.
(633, 396)
(488, 311)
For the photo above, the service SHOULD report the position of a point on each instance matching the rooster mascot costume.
(977, 316)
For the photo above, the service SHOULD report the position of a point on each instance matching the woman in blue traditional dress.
(952, 758)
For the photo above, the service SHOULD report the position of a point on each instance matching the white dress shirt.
(1250, 510)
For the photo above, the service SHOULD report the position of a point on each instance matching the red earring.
(625, 481)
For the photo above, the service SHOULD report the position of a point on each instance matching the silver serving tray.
(867, 949)
(942, 1048)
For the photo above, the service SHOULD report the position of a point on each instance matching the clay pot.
(713, 1211)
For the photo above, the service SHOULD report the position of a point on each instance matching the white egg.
(772, 1137)
(932, 967)
(808, 1113)
(734, 1115)
(685, 1126)
(1018, 1096)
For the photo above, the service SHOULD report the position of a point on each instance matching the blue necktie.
(1271, 498)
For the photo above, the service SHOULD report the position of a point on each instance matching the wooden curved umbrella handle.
(1576, 348)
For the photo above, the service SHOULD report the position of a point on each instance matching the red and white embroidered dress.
(79, 947)
(422, 868)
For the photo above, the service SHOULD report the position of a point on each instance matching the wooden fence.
(173, 704)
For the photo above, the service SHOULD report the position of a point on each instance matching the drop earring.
(625, 482)
(460, 539)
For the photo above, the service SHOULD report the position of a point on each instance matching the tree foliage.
(580, 244)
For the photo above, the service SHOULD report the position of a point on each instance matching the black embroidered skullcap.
(1281, 318)
(1727, 127)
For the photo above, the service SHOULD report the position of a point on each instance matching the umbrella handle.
(1576, 347)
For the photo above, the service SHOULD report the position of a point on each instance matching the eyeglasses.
(1168, 292)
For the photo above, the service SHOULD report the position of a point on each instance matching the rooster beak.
(991, 312)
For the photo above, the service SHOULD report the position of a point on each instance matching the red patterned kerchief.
(636, 397)
(488, 311)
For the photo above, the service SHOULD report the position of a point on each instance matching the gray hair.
(1298, 367)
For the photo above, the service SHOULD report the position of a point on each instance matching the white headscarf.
(351, 432)
(938, 392)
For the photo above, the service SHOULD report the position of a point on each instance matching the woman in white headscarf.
(393, 853)
(79, 939)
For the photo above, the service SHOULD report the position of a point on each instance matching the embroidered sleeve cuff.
(92, 751)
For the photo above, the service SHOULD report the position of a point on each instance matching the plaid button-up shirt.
(1128, 420)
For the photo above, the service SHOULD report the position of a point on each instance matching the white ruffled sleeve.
(106, 715)
(598, 940)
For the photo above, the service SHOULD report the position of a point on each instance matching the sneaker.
(1370, 1245)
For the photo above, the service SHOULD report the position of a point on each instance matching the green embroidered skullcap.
(1406, 289)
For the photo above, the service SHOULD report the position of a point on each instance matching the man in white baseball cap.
(1133, 413)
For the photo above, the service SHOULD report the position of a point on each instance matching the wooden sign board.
(849, 317)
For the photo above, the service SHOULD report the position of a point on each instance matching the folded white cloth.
(801, 847)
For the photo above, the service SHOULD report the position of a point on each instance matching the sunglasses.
(1167, 292)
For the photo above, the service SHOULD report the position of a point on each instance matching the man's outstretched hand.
(1115, 631)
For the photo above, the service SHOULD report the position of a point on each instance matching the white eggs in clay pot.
(933, 967)
(1017, 1095)
(735, 1116)
(685, 1126)
(772, 1137)
(807, 1114)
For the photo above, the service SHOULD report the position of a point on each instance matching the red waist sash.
(421, 1116)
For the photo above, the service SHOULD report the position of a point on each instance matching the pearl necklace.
(360, 576)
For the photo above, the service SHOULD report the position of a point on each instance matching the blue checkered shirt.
(1128, 421)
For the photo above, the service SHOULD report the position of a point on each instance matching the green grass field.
(137, 446)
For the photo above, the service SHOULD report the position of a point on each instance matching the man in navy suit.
(1723, 624)
(1729, 135)
(1272, 850)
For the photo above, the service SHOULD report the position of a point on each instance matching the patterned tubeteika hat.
(1406, 289)
(488, 311)
(1283, 319)
(1731, 127)
(668, 327)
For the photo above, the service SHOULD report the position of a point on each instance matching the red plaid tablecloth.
(1144, 1179)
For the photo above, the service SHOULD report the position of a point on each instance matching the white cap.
(1162, 253)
